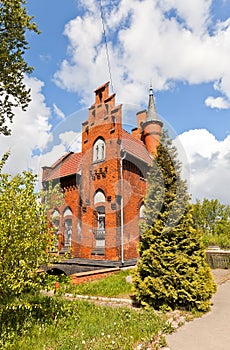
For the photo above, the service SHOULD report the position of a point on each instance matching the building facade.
(104, 185)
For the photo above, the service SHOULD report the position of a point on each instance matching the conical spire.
(151, 113)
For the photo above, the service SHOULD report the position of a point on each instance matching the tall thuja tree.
(172, 271)
(24, 235)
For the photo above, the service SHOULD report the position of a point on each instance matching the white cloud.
(145, 40)
(209, 161)
(30, 131)
(45, 58)
(71, 140)
(168, 41)
(195, 13)
(218, 102)
(32, 134)
(49, 157)
(58, 111)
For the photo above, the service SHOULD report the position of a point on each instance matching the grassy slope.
(89, 326)
(94, 327)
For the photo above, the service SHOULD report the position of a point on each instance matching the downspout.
(122, 156)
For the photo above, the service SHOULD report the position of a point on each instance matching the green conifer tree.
(172, 271)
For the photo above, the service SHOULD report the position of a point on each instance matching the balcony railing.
(99, 235)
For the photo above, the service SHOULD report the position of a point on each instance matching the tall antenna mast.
(106, 44)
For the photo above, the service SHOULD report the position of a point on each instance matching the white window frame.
(99, 150)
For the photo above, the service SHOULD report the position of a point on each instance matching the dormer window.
(99, 150)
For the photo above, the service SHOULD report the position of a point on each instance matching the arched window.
(67, 227)
(99, 197)
(67, 233)
(99, 231)
(99, 150)
(55, 218)
(67, 212)
(142, 211)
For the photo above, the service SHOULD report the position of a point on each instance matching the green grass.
(93, 327)
(39, 322)
(114, 285)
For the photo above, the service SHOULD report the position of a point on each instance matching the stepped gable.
(69, 164)
(135, 147)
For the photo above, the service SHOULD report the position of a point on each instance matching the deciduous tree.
(24, 234)
(213, 219)
(14, 23)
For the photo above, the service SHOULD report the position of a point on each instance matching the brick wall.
(82, 277)
(104, 121)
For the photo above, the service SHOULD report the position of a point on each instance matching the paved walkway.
(211, 331)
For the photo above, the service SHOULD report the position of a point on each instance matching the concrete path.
(210, 332)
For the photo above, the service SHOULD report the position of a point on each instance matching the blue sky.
(182, 105)
(182, 46)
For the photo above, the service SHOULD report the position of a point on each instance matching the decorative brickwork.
(104, 185)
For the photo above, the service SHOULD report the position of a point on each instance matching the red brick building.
(105, 184)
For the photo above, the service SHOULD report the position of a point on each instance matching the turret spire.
(151, 127)
(151, 113)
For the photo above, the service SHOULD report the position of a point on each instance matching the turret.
(151, 128)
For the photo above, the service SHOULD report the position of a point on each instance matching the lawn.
(114, 285)
(94, 327)
(48, 323)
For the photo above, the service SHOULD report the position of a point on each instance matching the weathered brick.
(105, 122)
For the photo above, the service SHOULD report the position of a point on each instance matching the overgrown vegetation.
(61, 324)
(110, 286)
(172, 271)
(18, 316)
(24, 235)
(213, 220)
(25, 240)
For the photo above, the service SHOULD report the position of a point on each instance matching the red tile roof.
(135, 147)
(70, 163)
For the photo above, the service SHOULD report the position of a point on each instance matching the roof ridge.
(133, 137)
(61, 159)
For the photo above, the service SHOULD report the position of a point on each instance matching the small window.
(99, 197)
(100, 229)
(100, 96)
(67, 227)
(67, 212)
(67, 233)
(142, 211)
(55, 218)
(99, 150)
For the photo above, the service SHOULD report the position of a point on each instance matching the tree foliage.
(24, 235)
(14, 23)
(172, 271)
(213, 219)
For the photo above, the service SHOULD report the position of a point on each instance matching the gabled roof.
(69, 164)
(135, 147)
